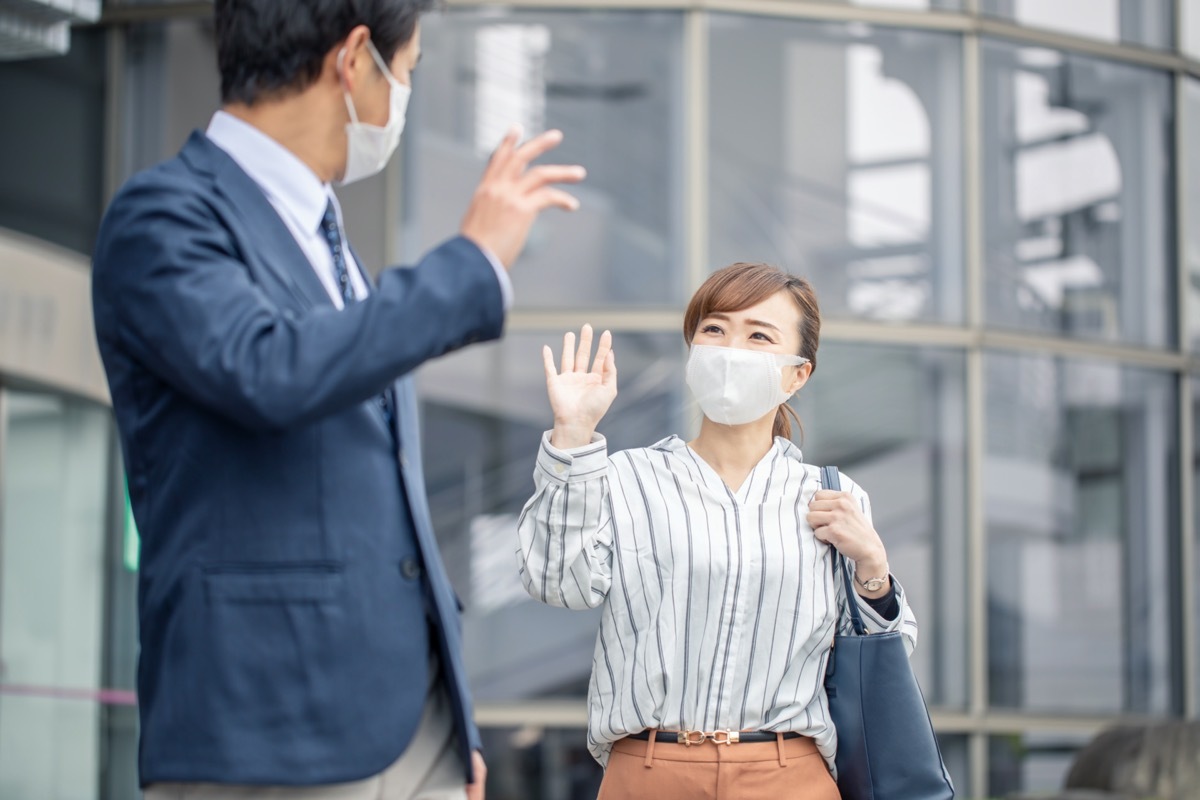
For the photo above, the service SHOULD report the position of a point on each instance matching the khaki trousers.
(429, 769)
(787, 769)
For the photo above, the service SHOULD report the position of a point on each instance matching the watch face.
(873, 585)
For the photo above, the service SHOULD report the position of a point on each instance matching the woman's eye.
(710, 329)
(762, 337)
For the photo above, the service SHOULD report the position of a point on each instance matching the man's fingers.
(585, 349)
(602, 351)
(502, 156)
(553, 198)
(537, 177)
(548, 361)
(536, 147)
(568, 353)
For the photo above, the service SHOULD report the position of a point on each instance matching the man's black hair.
(270, 47)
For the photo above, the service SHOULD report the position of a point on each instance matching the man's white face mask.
(735, 386)
(368, 147)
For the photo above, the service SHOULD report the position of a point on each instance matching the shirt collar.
(787, 447)
(286, 180)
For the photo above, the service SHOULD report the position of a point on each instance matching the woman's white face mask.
(734, 386)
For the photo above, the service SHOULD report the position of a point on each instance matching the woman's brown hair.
(742, 285)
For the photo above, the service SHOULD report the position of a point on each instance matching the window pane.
(1080, 497)
(1077, 196)
(51, 186)
(54, 503)
(484, 411)
(532, 763)
(956, 753)
(836, 152)
(1032, 762)
(905, 5)
(1142, 22)
(1191, 182)
(1191, 28)
(1196, 510)
(612, 82)
(893, 419)
(171, 87)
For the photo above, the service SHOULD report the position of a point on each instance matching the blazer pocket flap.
(284, 586)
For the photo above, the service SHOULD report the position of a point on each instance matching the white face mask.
(368, 147)
(735, 386)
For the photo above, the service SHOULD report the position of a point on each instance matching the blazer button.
(410, 569)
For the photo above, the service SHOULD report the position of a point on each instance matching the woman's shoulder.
(814, 473)
(650, 454)
(850, 485)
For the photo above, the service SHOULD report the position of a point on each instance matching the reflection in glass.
(54, 506)
(1031, 762)
(613, 84)
(1077, 196)
(484, 410)
(1191, 184)
(1080, 490)
(1141, 22)
(836, 152)
(892, 419)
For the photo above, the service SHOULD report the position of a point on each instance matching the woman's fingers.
(602, 351)
(548, 362)
(579, 359)
(819, 519)
(610, 370)
(568, 353)
(583, 357)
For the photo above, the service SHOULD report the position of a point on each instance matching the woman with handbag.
(712, 559)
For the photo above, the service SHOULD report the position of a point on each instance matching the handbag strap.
(831, 480)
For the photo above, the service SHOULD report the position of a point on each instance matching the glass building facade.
(998, 202)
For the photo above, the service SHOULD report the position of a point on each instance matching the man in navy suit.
(299, 635)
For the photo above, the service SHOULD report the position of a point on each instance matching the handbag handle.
(831, 480)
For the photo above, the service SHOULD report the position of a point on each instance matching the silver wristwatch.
(873, 584)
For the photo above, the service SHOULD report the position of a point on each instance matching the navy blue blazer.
(290, 586)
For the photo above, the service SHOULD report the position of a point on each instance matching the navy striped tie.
(333, 236)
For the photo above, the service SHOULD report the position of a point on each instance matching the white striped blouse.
(719, 607)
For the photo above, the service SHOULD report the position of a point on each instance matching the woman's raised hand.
(582, 391)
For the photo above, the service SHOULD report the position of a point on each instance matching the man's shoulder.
(177, 175)
(150, 204)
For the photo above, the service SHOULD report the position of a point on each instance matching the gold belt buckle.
(689, 738)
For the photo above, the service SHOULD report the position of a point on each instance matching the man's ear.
(350, 58)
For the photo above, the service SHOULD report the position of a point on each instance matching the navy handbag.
(886, 748)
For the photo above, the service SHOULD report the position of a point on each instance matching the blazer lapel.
(272, 244)
(396, 389)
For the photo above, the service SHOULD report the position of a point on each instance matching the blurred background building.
(997, 200)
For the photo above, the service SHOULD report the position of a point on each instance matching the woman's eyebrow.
(759, 323)
(763, 324)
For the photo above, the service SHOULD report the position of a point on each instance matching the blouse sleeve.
(565, 530)
(905, 621)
